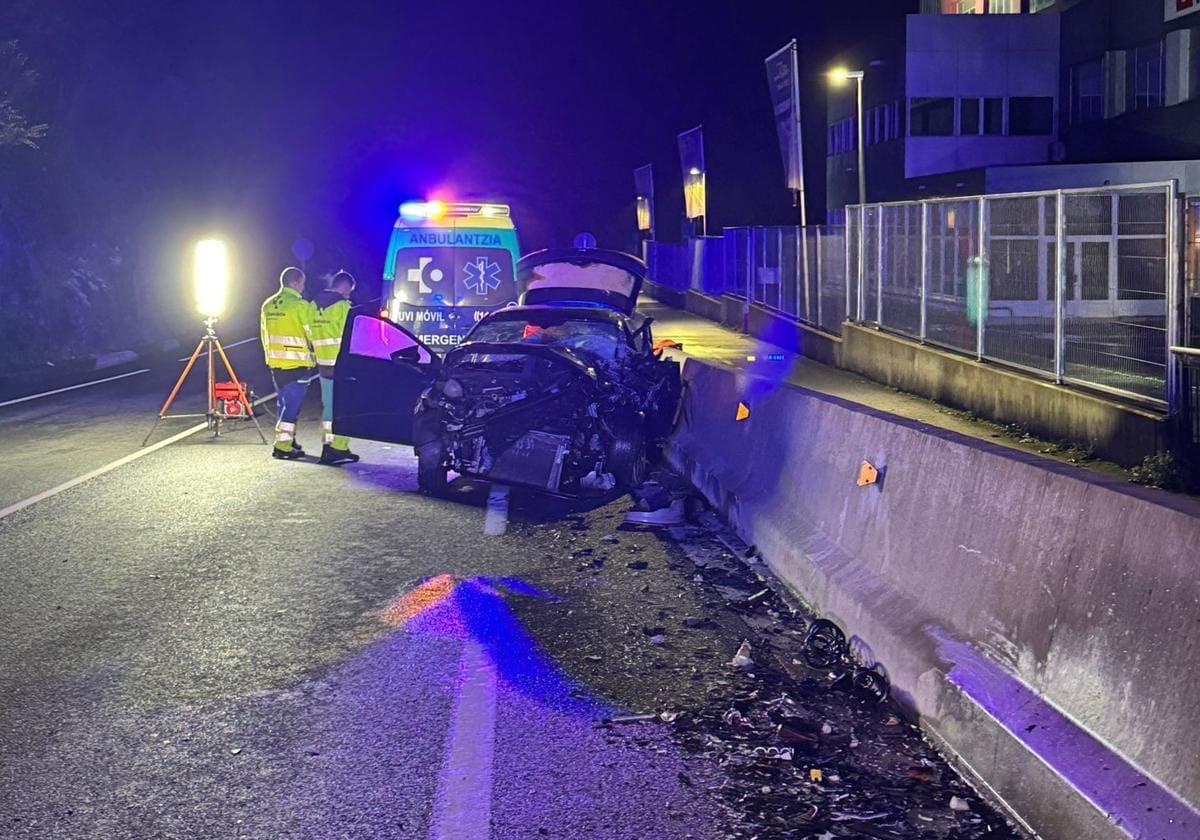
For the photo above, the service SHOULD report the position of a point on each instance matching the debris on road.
(742, 659)
(777, 715)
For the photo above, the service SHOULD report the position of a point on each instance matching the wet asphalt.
(208, 643)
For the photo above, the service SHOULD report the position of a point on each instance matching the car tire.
(431, 472)
(627, 455)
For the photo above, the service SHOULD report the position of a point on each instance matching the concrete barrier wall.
(1043, 622)
(1116, 431)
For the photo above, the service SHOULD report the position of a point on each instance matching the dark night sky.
(267, 120)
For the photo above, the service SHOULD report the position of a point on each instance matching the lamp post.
(839, 76)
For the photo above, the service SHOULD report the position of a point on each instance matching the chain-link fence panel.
(1020, 265)
(955, 284)
(900, 268)
(1115, 290)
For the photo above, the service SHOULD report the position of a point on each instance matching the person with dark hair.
(285, 322)
(331, 308)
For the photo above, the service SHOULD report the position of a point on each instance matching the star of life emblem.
(482, 275)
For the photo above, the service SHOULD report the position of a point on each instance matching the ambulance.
(448, 265)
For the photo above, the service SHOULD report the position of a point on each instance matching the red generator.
(231, 399)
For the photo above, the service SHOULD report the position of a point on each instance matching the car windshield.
(598, 339)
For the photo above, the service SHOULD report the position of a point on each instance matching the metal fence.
(1073, 285)
(800, 272)
(1076, 286)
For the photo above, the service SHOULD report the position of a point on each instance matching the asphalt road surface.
(205, 642)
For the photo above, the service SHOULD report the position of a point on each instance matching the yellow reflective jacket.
(330, 310)
(284, 323)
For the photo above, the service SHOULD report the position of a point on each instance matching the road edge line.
(120, 462)
(73, 387)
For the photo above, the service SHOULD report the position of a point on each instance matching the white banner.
(1178, 8)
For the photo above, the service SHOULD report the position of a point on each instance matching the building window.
(1030, 115)
(968, 116)
(993, 115)
(966, 7)
(1087, 91)
(1005, 7)
(931, 117)
(1149, 79)
(1038, 5)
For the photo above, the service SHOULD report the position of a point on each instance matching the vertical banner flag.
(783, 80)
(643, 183)
(691, 160)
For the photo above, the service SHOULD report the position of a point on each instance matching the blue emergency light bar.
(417, 211)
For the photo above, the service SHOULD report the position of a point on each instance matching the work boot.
(334, 457)
(293, 454)
(296, 446)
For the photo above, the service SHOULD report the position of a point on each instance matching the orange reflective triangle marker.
(743, 411)
(867, 474)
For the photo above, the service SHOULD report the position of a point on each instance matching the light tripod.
(210, 345)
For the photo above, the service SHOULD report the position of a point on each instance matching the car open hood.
(581, 277)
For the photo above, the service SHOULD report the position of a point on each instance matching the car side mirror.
(411, 355)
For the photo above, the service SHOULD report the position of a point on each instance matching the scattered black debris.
(825, 644)
(809, 741)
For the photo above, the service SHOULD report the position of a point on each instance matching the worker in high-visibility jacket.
(331, 308)
(285, 321)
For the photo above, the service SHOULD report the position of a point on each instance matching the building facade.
(978, 87)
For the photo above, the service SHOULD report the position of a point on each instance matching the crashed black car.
(565, 393)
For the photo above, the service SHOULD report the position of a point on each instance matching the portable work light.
(211, 273)
(230, 400)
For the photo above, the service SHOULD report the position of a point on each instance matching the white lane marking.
(227, 346)
(120, 462)
(463, 808)
(74, 387)
(495, 521)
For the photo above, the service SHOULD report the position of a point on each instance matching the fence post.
(983, 280)
(779, 260)
(1176, 293)
(1060, 284)
(924, 267)
(879, 270)
(846, 257)
(819, 266)
(862, 262)
(802, 270)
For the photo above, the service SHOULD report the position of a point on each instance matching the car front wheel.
(431, 470)
(627, 455)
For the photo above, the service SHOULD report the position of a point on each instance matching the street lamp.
(838, 76)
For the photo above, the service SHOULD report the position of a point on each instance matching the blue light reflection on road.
(476, 609)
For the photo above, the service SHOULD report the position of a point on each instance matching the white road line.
(120, 462)
(495, 521)
(74, 387)
(227, 346)
(463, 808)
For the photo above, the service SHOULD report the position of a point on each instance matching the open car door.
(381, 372)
